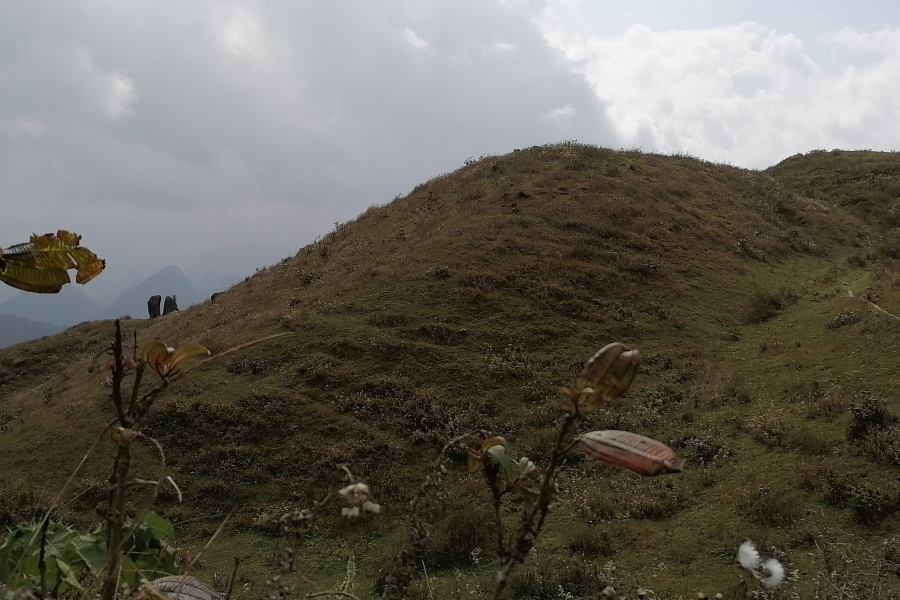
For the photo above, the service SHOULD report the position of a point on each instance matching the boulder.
(153, 306)
(170, 305)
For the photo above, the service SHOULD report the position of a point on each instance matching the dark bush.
(844, 318)
(837, 488)
(763, 306)
(883, 445)
(871, 505)
(869, 414)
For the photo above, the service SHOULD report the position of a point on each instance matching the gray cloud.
(160, 130)
(163, 130)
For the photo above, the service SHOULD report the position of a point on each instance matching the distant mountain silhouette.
(169, 281)
(69, 307)
(111, 283)
(15, 329)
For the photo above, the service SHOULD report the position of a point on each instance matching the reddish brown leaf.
(634, 452)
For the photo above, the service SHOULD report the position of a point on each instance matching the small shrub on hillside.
(871, 505)
(763, 306)
(837, 488)
(661, 398)
(8, 419)
(656, 501)
(770, 428)
(869, 414)
(844, 318)
(597, 506)
(773, 508)
(883, 445)
(828, 405)
(868, 504)
(574, 579)
(858, 260)
(440, 271)
(702, 450)
(890, 555)
(590, 541)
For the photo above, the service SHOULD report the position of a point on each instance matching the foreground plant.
(606, 376)
(122, 553)
(131, 408)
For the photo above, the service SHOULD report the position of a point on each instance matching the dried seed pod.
(183, 587)
(634, 452)
(606, 376)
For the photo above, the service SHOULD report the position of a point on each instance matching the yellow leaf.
(494, 441)
(155, 354)
(121, 435)
(41, 264)
(474, 464)
(184, 352)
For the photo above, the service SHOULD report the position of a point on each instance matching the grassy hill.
(763, 303)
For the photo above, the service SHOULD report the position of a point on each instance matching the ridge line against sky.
(159, 131)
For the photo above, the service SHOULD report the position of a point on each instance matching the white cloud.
(744, 94)
(112, 93)
(500, 48)
(241, 33)
(560, 115)
(119, 97)
(413, 39)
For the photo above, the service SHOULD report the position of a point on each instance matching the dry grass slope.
(464, 304)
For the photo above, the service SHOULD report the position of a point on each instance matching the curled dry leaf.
(122, 436)
(634, 452)
(475, 461)
(41, 265)
(606, 376)
(163, 359)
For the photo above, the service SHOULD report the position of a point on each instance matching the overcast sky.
(159, 130)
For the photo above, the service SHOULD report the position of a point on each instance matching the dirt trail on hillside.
(875, 306)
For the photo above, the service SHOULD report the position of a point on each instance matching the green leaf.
(524, 467)
(92, 551)
(58, 541)
(67, 574)
(12, 550)
(498, 454)
(161, 529)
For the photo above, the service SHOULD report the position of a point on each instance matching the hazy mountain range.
(25, 316)
(15, 329)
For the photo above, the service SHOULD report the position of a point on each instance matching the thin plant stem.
(215, 535)
(232, 579)
(529, 530)
(42, 565)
